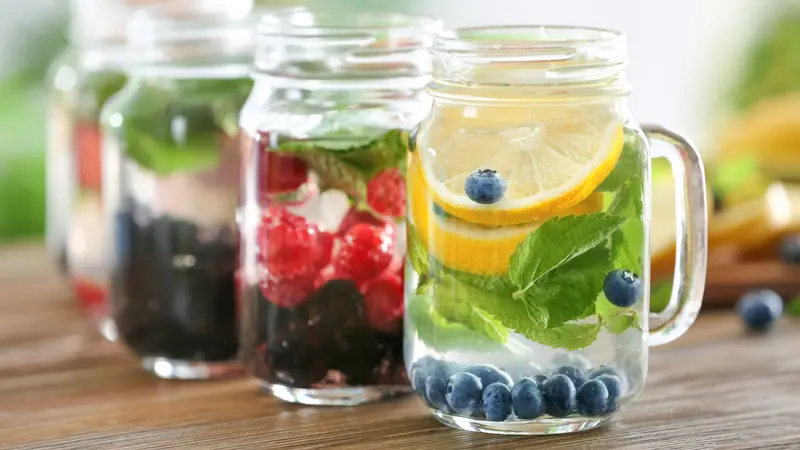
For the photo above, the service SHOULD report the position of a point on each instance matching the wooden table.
(63, 387)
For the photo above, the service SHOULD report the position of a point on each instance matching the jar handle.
(691, 224)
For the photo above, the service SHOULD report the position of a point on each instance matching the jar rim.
(301, 21)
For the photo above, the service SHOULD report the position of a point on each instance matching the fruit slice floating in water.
(551, 162)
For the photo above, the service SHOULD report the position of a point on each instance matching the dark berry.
(622, 288)
(497, 402)
(282, 236)
(464, 394)
(386, 193)
(527, 399)
(790, 250)
(364, 253)
(608, 370)
(485, 186)
(760, 309)
(540, 379)
(280, 172)
(441, 369)
(490, 374)
(423, 363)
(354, 216)
(574, 374)
(435, 394)
(592, 398)
(614, 387)
(383, 302)
(559, 395)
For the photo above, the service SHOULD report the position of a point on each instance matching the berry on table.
(464, 394)
(559, 395)
(383, 302)
(592, 398)
(614, 387)
(497, 402)
(574, 374)
(490, 374)
(386, 193)
(364, 253)
(485, 186)
(435, 394)
(527, 399)
(622, 288)
(790, 249)
(760, 309)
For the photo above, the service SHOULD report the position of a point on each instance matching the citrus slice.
(551, 162)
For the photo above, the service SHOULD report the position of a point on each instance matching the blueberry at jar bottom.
(486, 398)
(323, 351)
(173, 295)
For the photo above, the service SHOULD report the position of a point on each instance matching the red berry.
(386, 193)
(290, 246)
(88, 143)
(383, 302)
(91, 296)
(278, 172)
(354, 216)
(365, 252)
(288, 292)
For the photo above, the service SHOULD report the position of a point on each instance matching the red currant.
(386, 193)
(383, 302)
(288, 292)
(290, 246)
(365, 252)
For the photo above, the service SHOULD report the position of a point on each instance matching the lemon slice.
(551, 162)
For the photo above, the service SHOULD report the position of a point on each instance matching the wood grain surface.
(63, 387)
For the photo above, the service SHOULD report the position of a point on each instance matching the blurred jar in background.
(171, 187)
(81, 80)
(323, 217)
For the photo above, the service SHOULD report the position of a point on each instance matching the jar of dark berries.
(324, 203)
(171, 189)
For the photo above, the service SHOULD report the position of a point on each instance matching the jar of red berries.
(323, 208)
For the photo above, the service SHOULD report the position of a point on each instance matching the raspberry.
(386, 193)
(287, 292)
(383, 302)
(354, 216)
(365, 252)
(278, 172)
(292, 247)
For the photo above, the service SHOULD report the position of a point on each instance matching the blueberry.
(790, 250)
(572, 359)
(418, 377)
(574, 374)
(540, 379)
(485, 186)
(497, 402)
(592, 398)
(559, 395)
(464, 394)
(607, 370)
(435, 394)
(614, 387)
(489, 375)
(527, 399)
(440, 369)
(622, 288)
(760, 309)
(423, 363)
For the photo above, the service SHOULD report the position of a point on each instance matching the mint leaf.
(494, 284)
(439, 333)
(569, 292)
(615, 319)
(569, 336)
(464, 304)
(555, 243)
(336, 174)
(630, 163)
(628, 200)
(659, 295)
(199, 154)
(417, 253)
(627, 243)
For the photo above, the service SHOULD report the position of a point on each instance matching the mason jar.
(171, 186)
(89, 71)
(528, 274)
(324, 204)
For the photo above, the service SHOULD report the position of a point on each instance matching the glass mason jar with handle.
(171, 188)
(324, 204)
(527, 278)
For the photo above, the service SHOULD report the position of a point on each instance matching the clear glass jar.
(323, 212)
(527, 282)
(171, 186)
(81, 80)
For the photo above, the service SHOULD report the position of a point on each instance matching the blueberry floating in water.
(614, 387)
(527, 399)
(592, 398)
(435, 394)
(559, 395)
(622, 288)
(490, 374)
(497, 402)
(790, 249)
(574, 374)
(485, 186)
(760, 309)
(464, 394)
